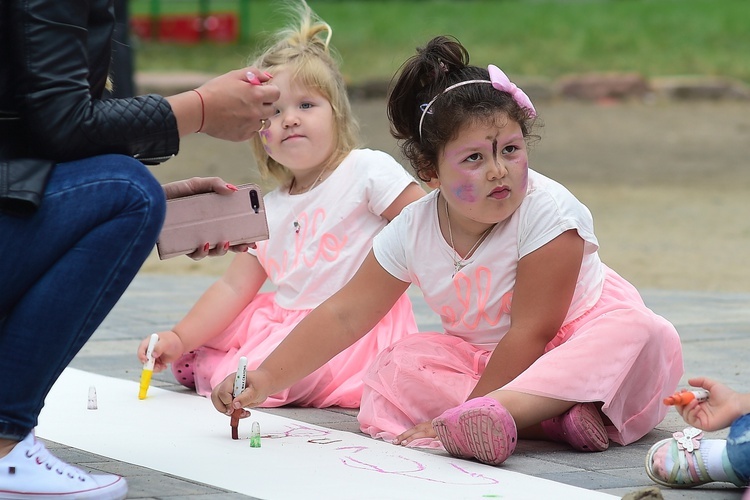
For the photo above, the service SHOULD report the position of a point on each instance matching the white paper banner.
(182, 435)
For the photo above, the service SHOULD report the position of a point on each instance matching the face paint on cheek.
(524, 175)
(264, 136)
(465, 192)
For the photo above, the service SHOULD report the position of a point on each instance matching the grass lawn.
(545, 38)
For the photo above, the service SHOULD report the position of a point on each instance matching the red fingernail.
(226, 245)
(206, 247)
(232, 187)
(269, 75)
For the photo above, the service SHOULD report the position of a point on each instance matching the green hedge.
(531, 38)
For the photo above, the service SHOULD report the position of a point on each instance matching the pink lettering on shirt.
(477, 290)
(329, 247)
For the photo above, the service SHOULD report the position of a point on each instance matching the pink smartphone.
(192, 221)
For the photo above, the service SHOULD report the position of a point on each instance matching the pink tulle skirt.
(619, 352)
(262, 326)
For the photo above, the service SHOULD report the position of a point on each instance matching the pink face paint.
(265, 135)
(525, 178)
(465, 192)
(457, 155)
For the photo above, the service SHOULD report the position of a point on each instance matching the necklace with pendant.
(458, 262)
(296, 224)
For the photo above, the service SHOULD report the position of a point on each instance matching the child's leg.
(537, 417)
(484, 429)
(738, 447)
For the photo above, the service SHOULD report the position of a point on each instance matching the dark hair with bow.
(424, 117)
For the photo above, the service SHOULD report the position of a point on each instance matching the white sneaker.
(29, 471)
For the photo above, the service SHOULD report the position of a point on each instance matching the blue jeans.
(63, 269)
(738, 447)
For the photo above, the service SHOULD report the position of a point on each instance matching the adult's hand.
(197, 185)
(231, 106)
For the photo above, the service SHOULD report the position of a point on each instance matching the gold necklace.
(460, 263)
(296, 224)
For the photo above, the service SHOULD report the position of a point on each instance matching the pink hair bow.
(501, 82)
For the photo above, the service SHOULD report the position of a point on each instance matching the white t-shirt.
(475, 305)
(338, 220)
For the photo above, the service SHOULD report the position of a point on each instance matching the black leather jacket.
(54, 62)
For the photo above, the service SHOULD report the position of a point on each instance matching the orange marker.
(684, 397)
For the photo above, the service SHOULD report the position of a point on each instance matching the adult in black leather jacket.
(79, 211)
(54, 61)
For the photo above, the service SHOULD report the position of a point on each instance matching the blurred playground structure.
(190, 21)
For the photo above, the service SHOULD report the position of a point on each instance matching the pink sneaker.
(29, 472)
(182, 369)
(449, 431)
(581, 427)
(480, 428)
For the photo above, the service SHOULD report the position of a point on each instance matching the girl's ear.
(433, 181)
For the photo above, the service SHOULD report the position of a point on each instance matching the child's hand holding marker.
(240, 379)
(168, 349)
(684, 397)
(148, 366)
(228, 401)
(712, 413)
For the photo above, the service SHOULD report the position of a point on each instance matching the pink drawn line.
(415, 471)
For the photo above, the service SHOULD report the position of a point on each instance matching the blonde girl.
(331, 201)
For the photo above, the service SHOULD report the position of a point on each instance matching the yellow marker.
(148, 367)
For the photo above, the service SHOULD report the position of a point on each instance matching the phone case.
(192, 221)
